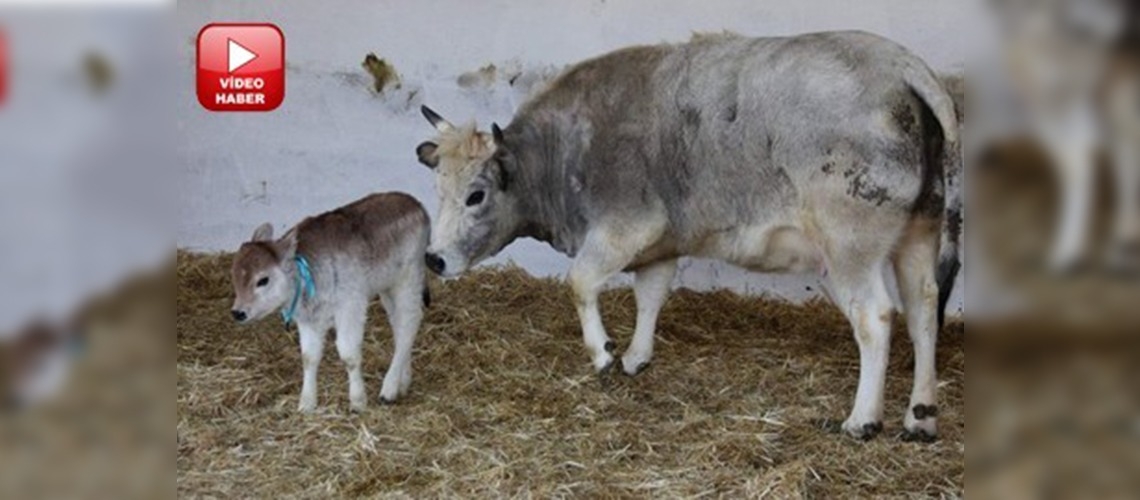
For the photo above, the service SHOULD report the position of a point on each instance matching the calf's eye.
(475, 198)
(262, 282)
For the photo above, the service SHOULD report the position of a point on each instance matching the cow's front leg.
(312, 345)
(587, 279)
(601, 257)
(650, 288)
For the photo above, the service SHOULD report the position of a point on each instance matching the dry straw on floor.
(742, 399)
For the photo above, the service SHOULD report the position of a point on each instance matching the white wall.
(333, 140)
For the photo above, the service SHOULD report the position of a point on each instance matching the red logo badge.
(241, 67)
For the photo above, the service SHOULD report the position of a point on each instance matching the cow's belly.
(765, 249)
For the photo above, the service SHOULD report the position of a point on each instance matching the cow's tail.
(923, 82)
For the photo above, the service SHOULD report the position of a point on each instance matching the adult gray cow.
(826, 152)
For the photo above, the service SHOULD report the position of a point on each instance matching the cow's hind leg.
(350, 320)
(859, 290)
(650, 288)
(914, 262)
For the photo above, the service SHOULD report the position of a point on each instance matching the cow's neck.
(549, 204)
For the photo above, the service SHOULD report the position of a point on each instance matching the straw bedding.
(743, 399)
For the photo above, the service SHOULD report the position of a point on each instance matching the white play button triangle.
(239, 56)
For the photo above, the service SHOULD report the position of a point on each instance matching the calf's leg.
(650, 288)
(312, 346)
(405, 311)
(350, 321)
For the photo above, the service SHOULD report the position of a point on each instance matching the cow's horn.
(497, 133)
(436, 121)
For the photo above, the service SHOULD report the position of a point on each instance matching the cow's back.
(727, 131)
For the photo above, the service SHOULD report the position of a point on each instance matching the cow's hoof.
(636, 370)
(923, 412)
(603, 362)
(918, 436)
(610, 346)
(635, 362)
(865, 432)
(607, 368)
(387, 401)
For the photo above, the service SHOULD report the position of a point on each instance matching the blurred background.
(86, 251)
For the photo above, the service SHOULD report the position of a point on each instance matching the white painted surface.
(333, 140)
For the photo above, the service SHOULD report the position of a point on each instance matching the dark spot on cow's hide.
(923, 412)
(729, 114)
(903, 116)
(828, 168)
(859, 186)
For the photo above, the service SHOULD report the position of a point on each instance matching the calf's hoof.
(307, 406)
(387, 401)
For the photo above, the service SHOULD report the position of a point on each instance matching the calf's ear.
(263, 232)
(428, 154)
(287, 245)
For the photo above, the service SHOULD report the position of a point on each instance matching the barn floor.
(742, 399)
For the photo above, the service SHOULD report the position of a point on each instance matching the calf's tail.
(923, 82)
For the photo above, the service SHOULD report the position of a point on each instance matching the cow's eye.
(262, 282)
(475, 198)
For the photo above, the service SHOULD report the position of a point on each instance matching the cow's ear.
(287, 245)
(497, 134)
(428, 154)
(263, 232)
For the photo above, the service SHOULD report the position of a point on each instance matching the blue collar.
(304, 284)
